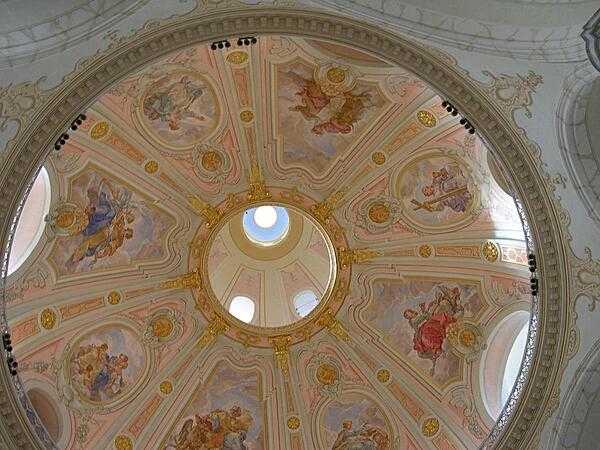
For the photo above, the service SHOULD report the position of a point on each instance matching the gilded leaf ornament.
(282, 354)
(324, 209)
(216, 327)
(210, 214)
(334, 326)
(188, 280)
(356, 256)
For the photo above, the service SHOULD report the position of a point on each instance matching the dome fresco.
(387, 221)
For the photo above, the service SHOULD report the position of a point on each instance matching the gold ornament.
(162, 326)
(282, 354)
(246, 116)
(48, 319)
(378, 158)
(293, 423)
(336, 75)
(258, 191)
(123, 443)
(99, 130)
(237, 57)
(383, 375)
(211, 214)
(379, 213)
(334, 326)
(467, 337)
(327, 374)
(430, 427)
(356, 256)
(65, 219)
(189, 280)
(151, 167)
(426, 118)
(490, 251)
(324, 209)
(211, 161)
(425, 251)
(166, 387)
(216, 327)
(113, 298)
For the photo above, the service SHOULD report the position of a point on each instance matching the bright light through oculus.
(242, 308)
(305, 302)
(265, 216)
(266, 225)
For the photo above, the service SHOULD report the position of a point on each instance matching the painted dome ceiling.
(384, 295)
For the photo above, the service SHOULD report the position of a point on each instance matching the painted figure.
(448, 189)
(218, 430)
(171, 101)
(367, 437)
(99, 373)
(109, 211)
(431, 321)
(335, 114)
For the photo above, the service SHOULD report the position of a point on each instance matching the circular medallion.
(48, 318)
(166, 387)
(123, 443)
(237, 57)
(430, 427)
(211, 161)
(151, 167)
(425, 251)
(113, 298)
(293, 423)
(378, 158)
(246, 116)
(336, 75)
(65, 219)
(467, 338)
(379, 213)
(162, 326)
(490, 252)
(426, 119)
(383, 375)
(327, 374)
(99, 130)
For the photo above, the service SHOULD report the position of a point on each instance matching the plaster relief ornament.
(466, 339)
(514, 92)
(325, 373)
(211, 163)
(379, 213)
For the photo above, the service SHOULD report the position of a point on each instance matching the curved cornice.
(35, 138)
(591, 36)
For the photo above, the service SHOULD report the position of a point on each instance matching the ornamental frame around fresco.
(37, 130)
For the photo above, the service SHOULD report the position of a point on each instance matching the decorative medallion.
(425, 251)
(378, 158)
(113, 298)
(151, 167)
(166, 387)
(430, 427)
(383, 375)
(293, 423)
(336, 75)
(123, 443)
(327, 374)
(237, 57)
(426, 118)
(99, 130)
(246, 116)
(67, 219)
(211, 161)
(466, 339)
(490, 252)
(164, 325)
(379, 213)
(48, 319)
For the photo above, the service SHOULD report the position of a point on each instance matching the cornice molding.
(591, 36)
(494, 122)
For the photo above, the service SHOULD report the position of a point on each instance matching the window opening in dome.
(31, 222)
(513, 363)
(266, 225)
(242, 308)
(305, 302)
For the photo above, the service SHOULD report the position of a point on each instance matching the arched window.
(31, 221)
(242, 308)
(305, 302)
(501, 361)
